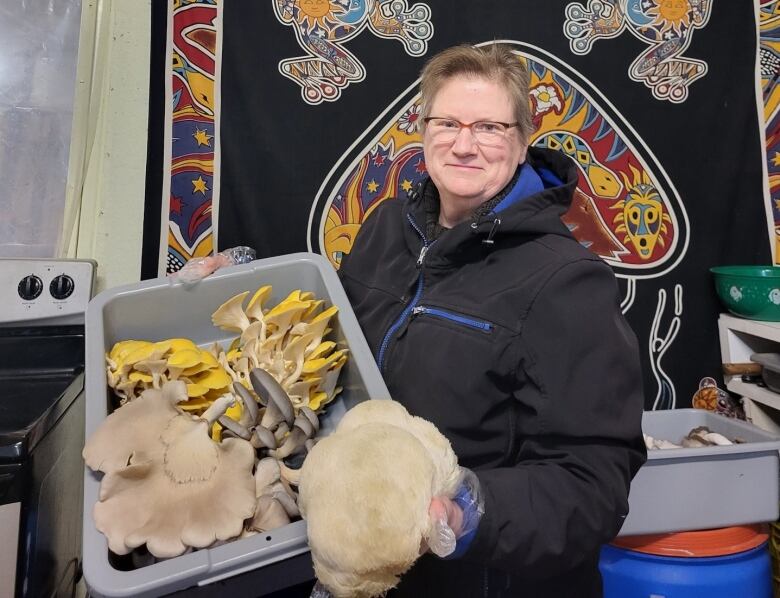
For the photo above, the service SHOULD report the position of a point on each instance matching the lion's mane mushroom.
(365, 492)
(166, 483)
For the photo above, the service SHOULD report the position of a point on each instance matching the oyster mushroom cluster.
(136, 365)
(166, 483)
(287, 341)
(698, 437)
(277, 432)
(202, 427)
(164, 474)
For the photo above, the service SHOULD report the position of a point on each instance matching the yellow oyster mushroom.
(295, 295)
(123, 355)
(323, 349)
(195, 405)
(196, 369)
(302, 388)
(196, 390)
(315, 308)
(184, 358)
(282, 315)
(317, 328)
(319, 365)
(138, 376)
(208, 358)
(181, 344)
(254, 310)
(207, 362)
(318, 400)
(121, 349)
(215, 378)
(146, 352)
(331, 378)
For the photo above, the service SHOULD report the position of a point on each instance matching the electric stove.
(41, 423)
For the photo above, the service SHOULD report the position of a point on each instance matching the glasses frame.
(468, 126)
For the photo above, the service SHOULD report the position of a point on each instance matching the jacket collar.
(511, 214)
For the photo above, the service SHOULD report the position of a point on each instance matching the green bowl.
(749, 291)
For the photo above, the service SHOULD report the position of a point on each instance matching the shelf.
(739, 339)
(767, 330)
(754, 392)
(762, 416)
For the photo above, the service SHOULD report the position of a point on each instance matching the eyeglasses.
(485, 132)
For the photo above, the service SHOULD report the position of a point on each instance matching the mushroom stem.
(248, 401)
(293, 476)
(217, 409)
(288, 502)
(235, 427)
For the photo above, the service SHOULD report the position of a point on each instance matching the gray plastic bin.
(158, 309)
(703, 488)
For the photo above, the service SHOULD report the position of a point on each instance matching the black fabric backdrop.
(276, 149)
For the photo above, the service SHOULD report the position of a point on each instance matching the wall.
(108, 150)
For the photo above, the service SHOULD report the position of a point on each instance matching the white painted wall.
(106, 181)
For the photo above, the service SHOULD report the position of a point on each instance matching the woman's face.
(466, 173)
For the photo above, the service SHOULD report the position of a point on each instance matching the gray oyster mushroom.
(164, 474)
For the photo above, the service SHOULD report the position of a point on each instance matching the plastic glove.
(200, 267)
(454, 520)
(320, 591)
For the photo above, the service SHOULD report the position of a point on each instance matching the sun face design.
(671, 15)
(318, 17)
(314, 9)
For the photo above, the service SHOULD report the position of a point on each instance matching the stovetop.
(41, 346)
(41, 373)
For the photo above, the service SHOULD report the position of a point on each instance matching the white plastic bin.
(156, 310)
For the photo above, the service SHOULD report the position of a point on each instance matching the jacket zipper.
(380, 360)
(453, 317)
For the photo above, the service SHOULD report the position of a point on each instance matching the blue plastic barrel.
(632, 573)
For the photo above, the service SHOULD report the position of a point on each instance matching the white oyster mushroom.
(166, 483)
(230, 315)
(155, 368)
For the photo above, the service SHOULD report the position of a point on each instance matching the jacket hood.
(536, 214)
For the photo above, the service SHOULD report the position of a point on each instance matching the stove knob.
(61, 287)
(30, 287)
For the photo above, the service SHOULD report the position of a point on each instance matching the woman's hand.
(444, 509)
(446, 524)
(456, 518)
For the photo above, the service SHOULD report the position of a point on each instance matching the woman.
(490, 320)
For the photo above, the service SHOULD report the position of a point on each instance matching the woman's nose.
(464, 142)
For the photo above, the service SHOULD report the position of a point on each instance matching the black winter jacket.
(507, 334)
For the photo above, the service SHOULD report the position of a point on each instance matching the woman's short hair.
(495, 62)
